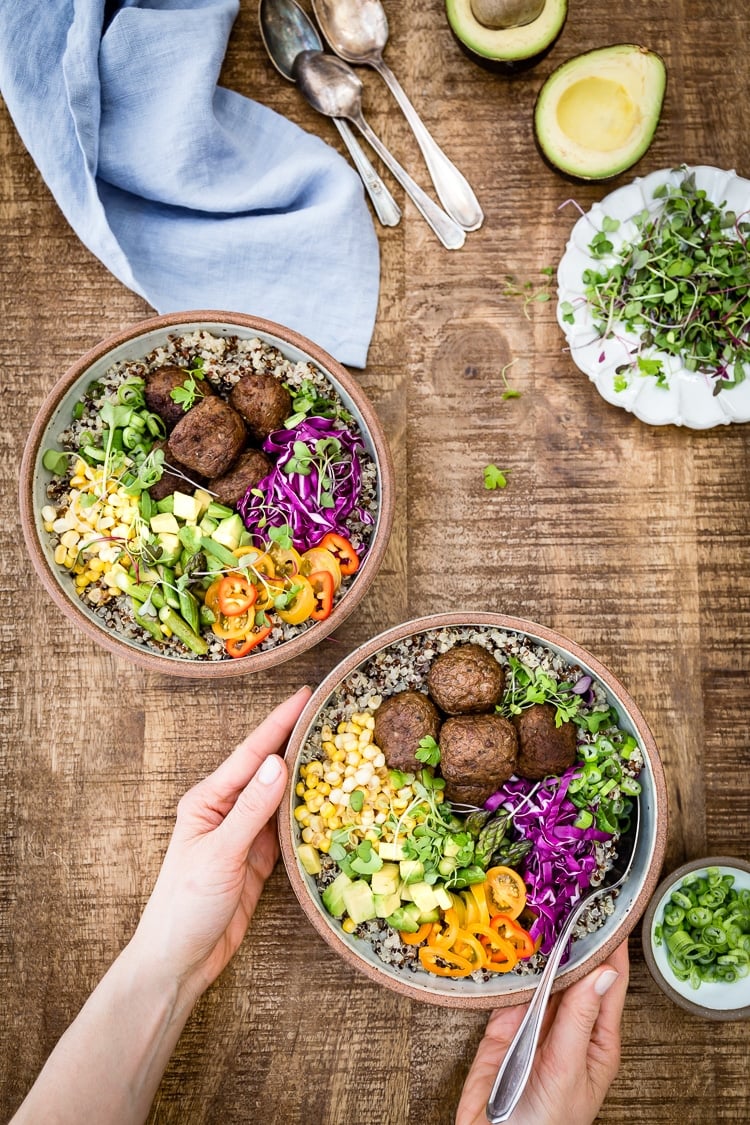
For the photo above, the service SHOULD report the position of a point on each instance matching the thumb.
(255, 805)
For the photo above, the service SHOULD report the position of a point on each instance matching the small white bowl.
(713, 1001)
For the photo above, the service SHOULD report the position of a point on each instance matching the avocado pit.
(499, 14)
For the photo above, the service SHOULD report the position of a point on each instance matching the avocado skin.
(641, 150)
(507, 68)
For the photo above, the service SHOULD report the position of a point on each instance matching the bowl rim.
(703, 1011)
(260, 661)
(296, 741)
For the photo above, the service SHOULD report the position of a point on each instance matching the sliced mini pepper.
(322, 584)
(236, 594)
(228, 628)
(301, 605)
(509, 929)
(342, 551)
(317, 558)
(416, 938)
(241, 646)
(454, 966)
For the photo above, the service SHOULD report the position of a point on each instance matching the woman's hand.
(222, 851)
(576, 1060)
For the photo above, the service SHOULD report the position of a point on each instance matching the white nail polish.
(605, 981)
(270, 770)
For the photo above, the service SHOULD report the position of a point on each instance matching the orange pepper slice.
(454, 965)
(416, 938)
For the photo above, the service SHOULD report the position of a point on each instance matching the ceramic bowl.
(356, 678)
(132, 344)
(714, 1001)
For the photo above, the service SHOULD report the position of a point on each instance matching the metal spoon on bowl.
(516, 1067)
(333, 88)
(286, 30)
(357, 30)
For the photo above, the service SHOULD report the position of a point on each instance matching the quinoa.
(225, 360)
(404, 665)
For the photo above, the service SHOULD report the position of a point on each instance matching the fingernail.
(269, 771)
(605, 981)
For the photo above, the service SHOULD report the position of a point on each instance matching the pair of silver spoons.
(358, 30)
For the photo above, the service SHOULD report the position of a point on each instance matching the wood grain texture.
(631, 540)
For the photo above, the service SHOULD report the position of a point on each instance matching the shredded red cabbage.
(562, 859)
(295, 499)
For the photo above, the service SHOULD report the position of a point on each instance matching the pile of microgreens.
(526, 686)
(189, 390)
(322, 457)
(308, 402)
(683, 284)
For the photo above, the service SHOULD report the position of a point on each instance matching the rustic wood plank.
(631, 540)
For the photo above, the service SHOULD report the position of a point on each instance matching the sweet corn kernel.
(324, 788)
(334, 823)
(341, 728)
(364, 738)
(326, 733)
(315, 768)
(60, 555)
(302, 814)
(299, 789)
(332, 777)
(314, 801)
(379, 760)
(348, 784)
(348, 926)
(308, 835)
(327, 810)
(338, 756)
(311, 781)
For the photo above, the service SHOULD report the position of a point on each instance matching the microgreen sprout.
(682, 284)
(428, 752)
(509, 392)
(530, 292)
(307, 401)
(495, 478)
(189, 391)
(527, 686)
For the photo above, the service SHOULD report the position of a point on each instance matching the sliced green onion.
(705, 927)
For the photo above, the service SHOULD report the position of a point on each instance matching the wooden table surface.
(633, 541)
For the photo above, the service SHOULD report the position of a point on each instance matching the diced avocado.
(309, 857)
(405, 893)
(171, 548)
(405, 918)
(164, 522)
(165, 505)
(186, 507)
(386, 904)
(190, 537)
(412, 870)
(359, 901)
(207, 525)
(229, 531)
(390, 850)
(204, 499)
(385, 881)
(443, 897)
(429, 916)
(423, 896)
(333, 895)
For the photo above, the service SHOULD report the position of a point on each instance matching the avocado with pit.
(506, 32)
(596, 115)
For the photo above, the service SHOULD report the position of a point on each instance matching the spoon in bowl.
(286, 30)
(357, 30)
(516, 1067)
(333, 88)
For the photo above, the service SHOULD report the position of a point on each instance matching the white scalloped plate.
(689, 399)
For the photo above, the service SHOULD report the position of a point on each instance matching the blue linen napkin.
(192, 195)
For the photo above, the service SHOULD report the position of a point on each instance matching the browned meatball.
(158, 388)
(263, 402)
(543, 748)
(170, 482)
(477, 753)
(466, 679)
(249, 468)
(208, 438)
(401, 722)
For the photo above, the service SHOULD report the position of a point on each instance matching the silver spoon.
(286, 30)
(357, 30)
(516, 1067)
(333, 88)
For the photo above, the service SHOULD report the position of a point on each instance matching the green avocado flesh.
(597, 113)
(509, 44)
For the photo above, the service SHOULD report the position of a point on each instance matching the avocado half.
(597, 114)
(508, 44)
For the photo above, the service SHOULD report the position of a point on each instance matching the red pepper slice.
(519, 938)
(240, 646)
(342, 550)
(236, 594)
(322, 584)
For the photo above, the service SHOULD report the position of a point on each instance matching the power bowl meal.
(207, 493)
(456, 785)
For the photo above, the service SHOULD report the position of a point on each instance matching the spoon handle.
(516, 1066)
(450, 233)
(386, 208)
(451, 186)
